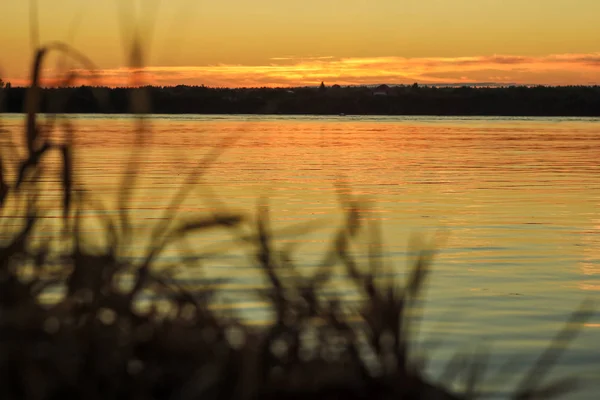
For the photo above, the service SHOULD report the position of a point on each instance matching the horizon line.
(480, 85)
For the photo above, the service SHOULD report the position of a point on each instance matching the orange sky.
(304, 42)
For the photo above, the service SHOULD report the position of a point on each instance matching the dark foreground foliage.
(95, 341)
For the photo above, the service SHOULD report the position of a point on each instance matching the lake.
(519, 196)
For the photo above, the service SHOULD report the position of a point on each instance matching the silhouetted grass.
(96, 342)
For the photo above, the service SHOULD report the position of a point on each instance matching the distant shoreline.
(411, 100)
(458, 116)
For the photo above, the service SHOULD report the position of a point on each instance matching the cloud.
(294, 58)
(555, 69)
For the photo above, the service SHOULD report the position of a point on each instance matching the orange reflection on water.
(518, 195)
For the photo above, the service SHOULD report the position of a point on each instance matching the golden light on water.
(590, 265)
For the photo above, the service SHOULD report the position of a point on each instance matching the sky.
(239, 43)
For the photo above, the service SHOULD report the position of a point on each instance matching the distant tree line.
(332, 100)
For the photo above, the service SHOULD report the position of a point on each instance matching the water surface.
(520, 197)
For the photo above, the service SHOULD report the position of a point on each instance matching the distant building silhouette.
(381, 90)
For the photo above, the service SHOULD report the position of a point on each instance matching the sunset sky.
(304, 42)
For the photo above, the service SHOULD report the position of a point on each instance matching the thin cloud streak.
(556, 69)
